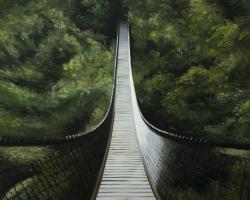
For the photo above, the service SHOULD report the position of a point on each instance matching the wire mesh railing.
(194, 172)
(68, 171)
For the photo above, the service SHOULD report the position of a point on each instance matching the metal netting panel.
(178, 171)
(67, 171)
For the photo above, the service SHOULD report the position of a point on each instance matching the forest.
(56, 65)
(190, 62)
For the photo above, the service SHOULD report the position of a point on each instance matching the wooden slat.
(124, 175)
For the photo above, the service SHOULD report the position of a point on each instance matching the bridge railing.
(56, 167)
(180, 167)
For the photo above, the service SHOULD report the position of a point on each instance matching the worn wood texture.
(124, 174)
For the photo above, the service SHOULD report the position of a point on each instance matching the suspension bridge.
(124, 157)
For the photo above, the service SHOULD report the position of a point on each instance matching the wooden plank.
(122, 198)
(125, 186)
(125, 194)
(124, 175)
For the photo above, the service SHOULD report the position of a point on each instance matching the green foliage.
(54, 74)
(191, 62)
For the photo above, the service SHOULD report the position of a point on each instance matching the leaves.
(192, 66)
(53, 75)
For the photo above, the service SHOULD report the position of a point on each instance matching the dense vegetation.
(191, 62)
(56, 60)
(190, 58)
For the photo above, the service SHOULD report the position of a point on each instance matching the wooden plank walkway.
(124, 175)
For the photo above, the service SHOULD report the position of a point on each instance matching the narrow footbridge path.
(124, 175)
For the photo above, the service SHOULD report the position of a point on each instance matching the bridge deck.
(124, 174)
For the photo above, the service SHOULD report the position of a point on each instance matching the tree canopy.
(192, 66)
(56, 60)
(190, 59)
